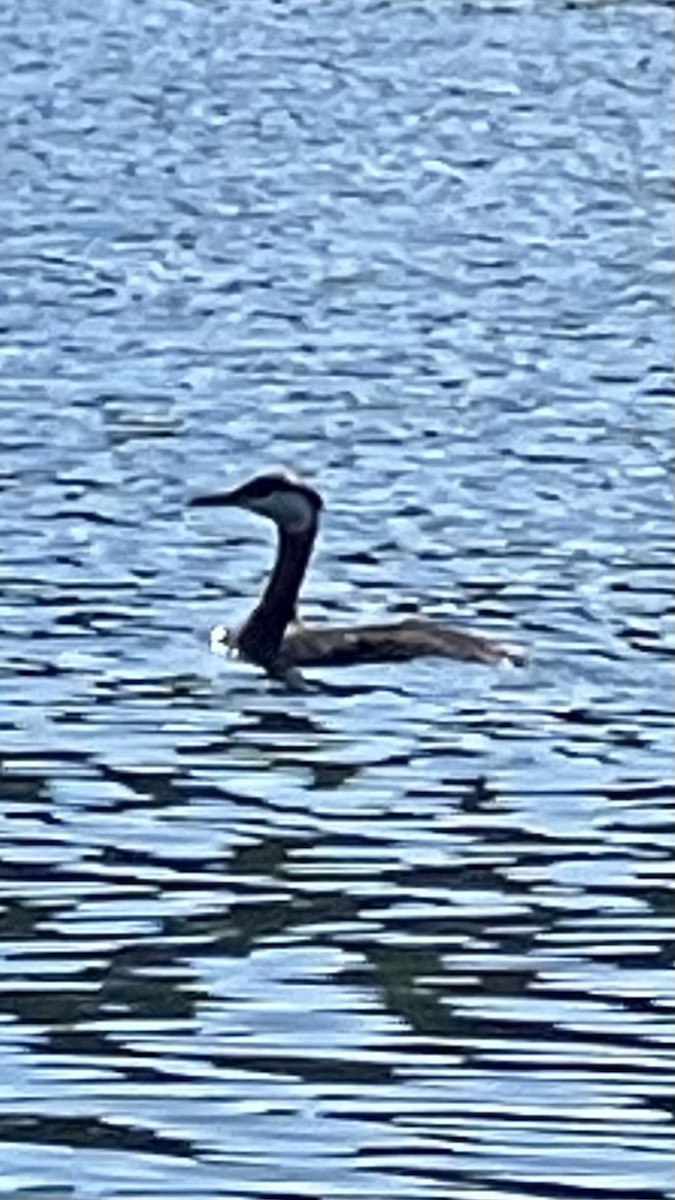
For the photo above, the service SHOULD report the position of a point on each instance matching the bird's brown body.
(413, 638)
(276, 640)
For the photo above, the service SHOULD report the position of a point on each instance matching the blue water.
(404, 936)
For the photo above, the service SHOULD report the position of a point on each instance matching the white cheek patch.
(291, 510)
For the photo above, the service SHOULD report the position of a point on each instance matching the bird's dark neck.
(261, 636)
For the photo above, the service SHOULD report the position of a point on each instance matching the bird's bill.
(216, 500)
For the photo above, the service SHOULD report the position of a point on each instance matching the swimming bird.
(274, 638)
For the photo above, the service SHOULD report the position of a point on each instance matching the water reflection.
(321, 946)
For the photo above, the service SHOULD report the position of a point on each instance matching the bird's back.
(308, 646)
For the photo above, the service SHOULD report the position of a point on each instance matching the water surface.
(403, 936)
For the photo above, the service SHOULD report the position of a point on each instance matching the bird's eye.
(264, 490)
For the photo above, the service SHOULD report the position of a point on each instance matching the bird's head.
(292, 505)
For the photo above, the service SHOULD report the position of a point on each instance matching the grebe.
(274, 637)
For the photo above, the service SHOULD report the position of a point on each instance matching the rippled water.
(404, 936)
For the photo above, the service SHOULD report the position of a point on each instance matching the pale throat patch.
(291, 510)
